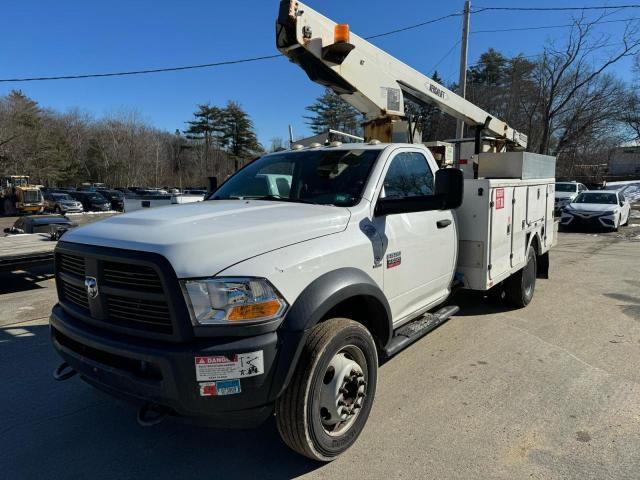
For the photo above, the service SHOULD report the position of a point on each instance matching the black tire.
(298, 412)
(58, 210)
(520, 286)
(626, 223)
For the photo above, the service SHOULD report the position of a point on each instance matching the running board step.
(418, 328)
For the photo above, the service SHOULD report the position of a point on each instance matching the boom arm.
(368, 78)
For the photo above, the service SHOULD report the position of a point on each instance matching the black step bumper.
(164, 373)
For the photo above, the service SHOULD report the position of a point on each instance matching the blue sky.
(41, 38)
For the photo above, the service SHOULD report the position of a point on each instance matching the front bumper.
(587, 220)
(72, 209)
(142, 370)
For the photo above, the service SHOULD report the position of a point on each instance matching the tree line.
(65, 149)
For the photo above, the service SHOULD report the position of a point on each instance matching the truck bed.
(23, 251)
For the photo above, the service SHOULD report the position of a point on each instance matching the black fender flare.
(315, 301)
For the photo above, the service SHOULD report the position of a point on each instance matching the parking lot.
(550, 391)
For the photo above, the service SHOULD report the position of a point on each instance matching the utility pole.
(464, 48)
(290, 136)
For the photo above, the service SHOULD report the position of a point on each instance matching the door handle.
(443, 223)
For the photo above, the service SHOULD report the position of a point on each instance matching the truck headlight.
(226, 301)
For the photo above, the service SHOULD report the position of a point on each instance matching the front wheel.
(520, 286)
(326, 405)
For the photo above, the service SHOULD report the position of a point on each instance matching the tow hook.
(151, 414)
(63, 372)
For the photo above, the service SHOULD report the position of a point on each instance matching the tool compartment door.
(501, 220)
(536, 203)
(518, 234)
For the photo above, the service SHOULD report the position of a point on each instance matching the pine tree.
(331, 112)
(238, 132)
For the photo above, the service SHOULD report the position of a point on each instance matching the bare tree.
(568, 72)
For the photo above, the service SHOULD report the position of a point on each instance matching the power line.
(140, 72)
(411, 27)
(555, 9)
(516, 29)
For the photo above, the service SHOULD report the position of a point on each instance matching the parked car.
(92, 201)
(39, 224)
(115, 197)
(598, 208)
(566, 192)
(195, 192)
(60, 202)
(630, 189)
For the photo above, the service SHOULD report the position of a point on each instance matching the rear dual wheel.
(327, 403)
(520, 286)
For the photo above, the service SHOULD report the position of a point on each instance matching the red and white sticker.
(222, 367)
(499, 198)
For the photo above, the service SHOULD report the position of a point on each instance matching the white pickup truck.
(253, 303)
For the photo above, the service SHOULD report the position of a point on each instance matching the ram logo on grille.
(91, 285)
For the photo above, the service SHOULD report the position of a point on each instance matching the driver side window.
(409, 175)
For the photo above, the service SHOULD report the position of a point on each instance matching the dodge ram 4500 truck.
(279, 292)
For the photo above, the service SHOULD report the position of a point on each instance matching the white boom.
(368, 78)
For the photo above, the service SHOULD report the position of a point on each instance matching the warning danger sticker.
(499, 198)
(222, 367)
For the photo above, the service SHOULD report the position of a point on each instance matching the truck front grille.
(131, 276)
(140, 314)
(132, 295)
(75, 295)
(71, 264)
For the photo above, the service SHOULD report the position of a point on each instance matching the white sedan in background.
(598, 208)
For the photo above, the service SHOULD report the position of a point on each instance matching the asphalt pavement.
(550, 391)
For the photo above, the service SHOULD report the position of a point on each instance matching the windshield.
(326, 177)
(31, 196)
(113, 195)
(61, 196)
(566, 187)
(96, 197)
(594, 197)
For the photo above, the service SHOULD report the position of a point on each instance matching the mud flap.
(543, 266)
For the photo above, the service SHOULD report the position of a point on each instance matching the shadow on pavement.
(475, 303)
(69, 430)
(21, 280)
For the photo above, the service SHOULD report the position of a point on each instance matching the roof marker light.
(341, 33)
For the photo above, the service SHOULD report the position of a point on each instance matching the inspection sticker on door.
(220, 388)
(223, 367)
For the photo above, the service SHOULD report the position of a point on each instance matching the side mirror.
(448, 195)
(450, 187)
